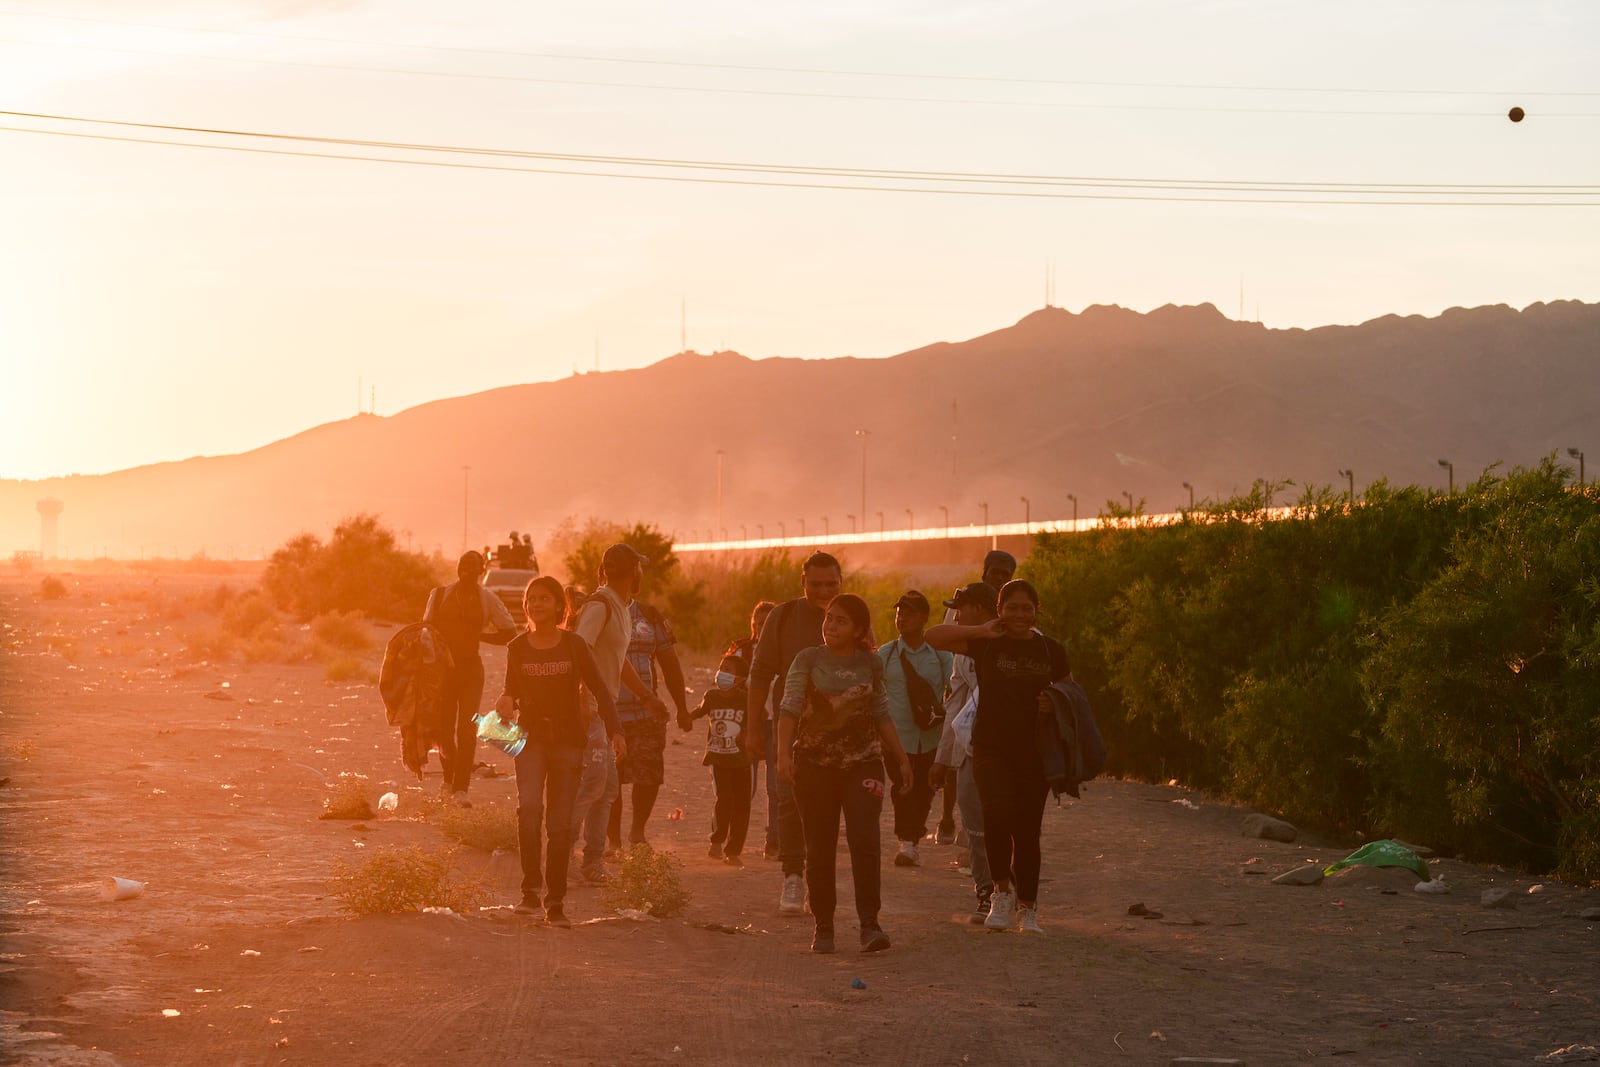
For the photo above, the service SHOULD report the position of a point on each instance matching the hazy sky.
(158, 302)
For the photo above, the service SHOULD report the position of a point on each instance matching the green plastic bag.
(1383, 853)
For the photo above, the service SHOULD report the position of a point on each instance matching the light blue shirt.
(934, 667)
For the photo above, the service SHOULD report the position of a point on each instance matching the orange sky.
(158, 302)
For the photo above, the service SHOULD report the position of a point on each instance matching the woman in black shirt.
(544, 667)
(1015, 664)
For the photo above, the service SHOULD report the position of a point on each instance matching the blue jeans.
(972, 822)
(547, 784)
(597, 790)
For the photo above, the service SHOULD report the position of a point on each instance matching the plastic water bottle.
(509, 737)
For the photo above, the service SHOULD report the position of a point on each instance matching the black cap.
(980, 593)
(914, 600)
(619, 554)
(1005, 559)
(470, 563)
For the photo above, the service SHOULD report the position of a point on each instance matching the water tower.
(49, 511)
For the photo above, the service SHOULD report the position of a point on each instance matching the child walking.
(732, 774)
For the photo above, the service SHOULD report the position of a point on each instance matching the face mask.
(725, 680)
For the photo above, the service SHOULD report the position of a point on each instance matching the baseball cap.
(980, 593)
(621, 554)
(914, 600)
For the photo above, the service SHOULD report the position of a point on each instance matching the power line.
(862, 173)
(774, 69)
(1362, 199)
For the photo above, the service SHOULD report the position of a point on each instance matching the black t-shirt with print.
(1012, 672)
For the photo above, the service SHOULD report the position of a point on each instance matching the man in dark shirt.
(466, 613)
(792, 626)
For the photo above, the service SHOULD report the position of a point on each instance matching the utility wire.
(975, 177)
(838, 186)
(770, 69)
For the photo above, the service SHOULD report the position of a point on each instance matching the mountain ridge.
(1094, 403)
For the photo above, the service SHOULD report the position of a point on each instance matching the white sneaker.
(908, 855)
(793, 900)
(1002, 910)
(1028, 919)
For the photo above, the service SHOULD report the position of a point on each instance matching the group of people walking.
(838, 720)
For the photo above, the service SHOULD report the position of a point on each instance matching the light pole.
(1577, 454)
(1190, 486)
(744, 532)
(1074, 510)
(824, 526)
(783, 532)
(911, 523)
(880, 522)
(466, 474)
(1450, 469)
(802, 526)
(863, 434)
(1351, 476)
(946, 519)
(720, 454)
(1027, 514)
(985, 507)
(761, 531)
(852, 519)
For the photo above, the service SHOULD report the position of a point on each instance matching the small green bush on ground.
(351, 799)
(360, 568)
(52, 588)
(485, 827)
(395, 880)
(647, 881)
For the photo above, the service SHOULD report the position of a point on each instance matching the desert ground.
(121, 756)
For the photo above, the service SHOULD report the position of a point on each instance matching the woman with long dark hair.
(833, 731)
(544, 668)
(1015, 664)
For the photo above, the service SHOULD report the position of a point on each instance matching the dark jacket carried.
(1070, 744)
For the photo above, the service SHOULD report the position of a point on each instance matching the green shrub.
(345, 630)
(52, 588)
(395, 880)
(245, 615)
(485, 827)
(647, 881)
(1421, 665)
(338, 667)
(360, 569)
(351, 799)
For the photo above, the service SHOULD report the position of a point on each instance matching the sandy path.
(115, 766)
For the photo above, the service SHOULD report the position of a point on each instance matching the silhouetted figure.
(1015, 663)
(726, 704)
(793, 625)
(544, 669)
(465, 613)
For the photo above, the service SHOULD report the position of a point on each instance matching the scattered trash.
(1158, 1035)
(1570, 1054)
(171, 1013)
(675, 815)
(1435, 885)
(433, 910)
(389, 802)
(1383, 853)
(282, 1042)
(308, 948)
(218, 694)
(1537, 887)
(249, 952)
(1143, 912)
(121, 889)
(856, 983)
(1185, 802)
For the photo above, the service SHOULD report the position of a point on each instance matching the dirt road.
(206, 781)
